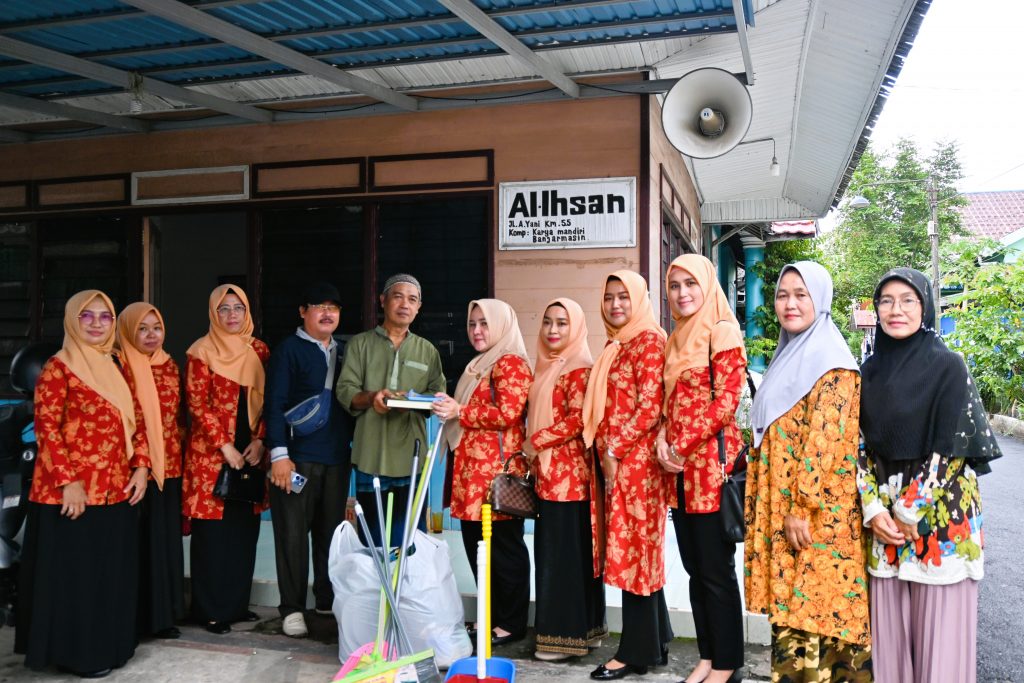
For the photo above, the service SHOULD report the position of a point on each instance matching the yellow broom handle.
(485, 528)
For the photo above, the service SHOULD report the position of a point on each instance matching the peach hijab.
(553, 364)
(642, 320)
(231, 355)
(505, 338)
(145, 386)
(711, 329)
(94, 365)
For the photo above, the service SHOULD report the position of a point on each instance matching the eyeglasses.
(88, 317)
(325, 308)
(907, 303)
(237, 309)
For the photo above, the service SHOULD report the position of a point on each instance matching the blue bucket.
(498, 667)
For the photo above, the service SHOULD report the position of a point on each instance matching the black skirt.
(78, 588)
(223, 557)
(161, 561)
(646, 629)
(570, 601)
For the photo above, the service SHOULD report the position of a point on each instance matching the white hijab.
(801, 360)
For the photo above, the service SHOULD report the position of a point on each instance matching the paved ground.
(260, 654)
(1001, 613)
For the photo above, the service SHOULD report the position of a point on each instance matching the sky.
(962, 81)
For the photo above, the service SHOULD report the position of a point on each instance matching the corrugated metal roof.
(346, 34)
(818, 66)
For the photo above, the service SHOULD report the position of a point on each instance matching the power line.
(1000, 175)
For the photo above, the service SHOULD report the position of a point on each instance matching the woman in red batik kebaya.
(621, 415)
(570, 593)
(706, 333)
(79, 572)
(224, 390)
(484, 427)
(155, 381)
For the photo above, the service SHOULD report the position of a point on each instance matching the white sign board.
(565, 214)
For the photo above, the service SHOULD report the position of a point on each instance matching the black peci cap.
(319, 293)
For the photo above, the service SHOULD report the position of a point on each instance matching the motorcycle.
(17, 461)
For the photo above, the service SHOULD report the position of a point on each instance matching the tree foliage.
(892, 231)
(776, 256)
(990, 333)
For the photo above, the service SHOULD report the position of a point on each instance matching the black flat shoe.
(218, 627)
(603, 673)
(98, 673)
(510, 638)
(168, 633)
(250, 616)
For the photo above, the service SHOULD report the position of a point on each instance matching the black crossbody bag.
(734, 486)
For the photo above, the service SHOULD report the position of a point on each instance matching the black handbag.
(734, 485)
(511, 494)
(247, 485)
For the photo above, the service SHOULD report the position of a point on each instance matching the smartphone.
(298, 482)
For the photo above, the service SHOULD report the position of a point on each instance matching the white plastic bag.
(430, 609)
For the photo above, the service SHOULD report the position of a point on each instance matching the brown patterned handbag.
(512, 494)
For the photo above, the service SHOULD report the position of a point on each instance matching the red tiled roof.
(993, 214)
(806, 228)
(864, 319)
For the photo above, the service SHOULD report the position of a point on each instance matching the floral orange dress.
(495, 407)
(636, 502)
(693, 424)
(568, 475)
(167, 378)
(570, 609)
(213, 406)
(806, 466)
(81, 438)
(477, 457)
(79, 577)
(162, 566)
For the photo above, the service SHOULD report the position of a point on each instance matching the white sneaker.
(294, 625)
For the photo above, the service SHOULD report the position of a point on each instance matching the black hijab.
(917, 397)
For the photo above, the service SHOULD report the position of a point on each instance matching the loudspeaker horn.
(706, 113)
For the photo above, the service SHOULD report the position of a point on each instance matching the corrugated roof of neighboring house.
(993, 214)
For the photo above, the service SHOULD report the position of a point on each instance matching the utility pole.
(933, 235)
(861, 202)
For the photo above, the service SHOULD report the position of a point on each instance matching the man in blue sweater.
(298, 370)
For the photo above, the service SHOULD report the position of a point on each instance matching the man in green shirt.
(381, 363)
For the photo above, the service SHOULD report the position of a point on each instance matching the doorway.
(444, 244)
(673, 244)
(300, 246)
(189, 255)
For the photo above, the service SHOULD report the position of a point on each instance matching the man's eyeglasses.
(907, 303)
(88, 317)
(325, 308)
(237, 309)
